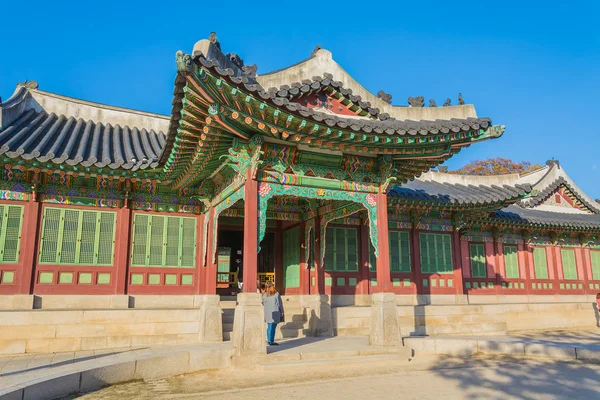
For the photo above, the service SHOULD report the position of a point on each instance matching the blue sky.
(533, 66)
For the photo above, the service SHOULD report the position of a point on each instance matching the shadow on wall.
(508, 377)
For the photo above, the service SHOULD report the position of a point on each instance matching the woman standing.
(273, 311)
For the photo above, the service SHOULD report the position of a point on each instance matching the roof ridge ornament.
(447, 103)
(553, 162)
(29, 84)
(250, 70)
(213, 39)
(418, 101)
(315, 51)
(385, 96)
(184, 62)
(461, 101)
(432, 103)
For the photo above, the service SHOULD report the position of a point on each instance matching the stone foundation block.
(384, 321)
(12, 346)
(16, 302)
(211, 319)
(162, 367)
(53, 388)
(457, 348)
(163, 301)
(320, 318)
(557, 352)
(209, 359)
(53, 345)
(498, 347)
(588, 354)
(104, 376)
(249, 334)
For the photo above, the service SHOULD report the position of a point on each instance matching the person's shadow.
(597, 313)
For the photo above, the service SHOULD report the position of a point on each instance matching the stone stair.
(295, 325)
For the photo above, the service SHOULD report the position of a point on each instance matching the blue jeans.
(271, 332)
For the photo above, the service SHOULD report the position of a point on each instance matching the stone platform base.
(471, 319)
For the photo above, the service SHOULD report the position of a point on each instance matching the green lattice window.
(11, 221)
(478, 268)
(595, 255)
(291, 257)
(163, 241)
(539, 262)
(568, 264)
(341, 251)
(436, 253)
(511, 262)
(399, 251)
(78, 237)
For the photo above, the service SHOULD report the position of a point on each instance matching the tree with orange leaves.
(496, 166)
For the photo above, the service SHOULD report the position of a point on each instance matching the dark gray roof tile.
(48, 137)
(524, 216)
(455, 193)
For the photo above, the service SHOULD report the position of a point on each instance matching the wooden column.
(278, 243)
(200, 269)
(415, 256)
(250, 255)
(458, 263)
(123, 239)
(209, 283)
(304, 272)
(383, 261)
(364, 243)
(29, 238)
(319, 271)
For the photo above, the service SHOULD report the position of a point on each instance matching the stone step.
(288, 326)
(498, 328)
(333, 359)
(228, 305)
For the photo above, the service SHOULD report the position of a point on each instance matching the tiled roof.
(524, 216)
(66, 139)
(543, 194)
(458, 194)
(283, 97)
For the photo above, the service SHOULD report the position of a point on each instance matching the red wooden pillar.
(383, 261)
(200, 269)
(363, 284)
(458, 263)
(210, 270)
(278, 270)
(319, 271)
(416, 260)
(500, 265)
(250, 255)
(123, 239)
(29, 238)
(528, 259)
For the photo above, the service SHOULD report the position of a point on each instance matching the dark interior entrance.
(230, 260)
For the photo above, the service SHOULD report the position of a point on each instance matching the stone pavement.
(384, 377)
(63, 373)
(579, 345)
(52, 375)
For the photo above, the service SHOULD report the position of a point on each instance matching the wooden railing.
(227, 279)
(264, 277)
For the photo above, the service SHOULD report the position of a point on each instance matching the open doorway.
(230, 261)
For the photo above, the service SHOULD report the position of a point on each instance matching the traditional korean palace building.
(300, 176)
